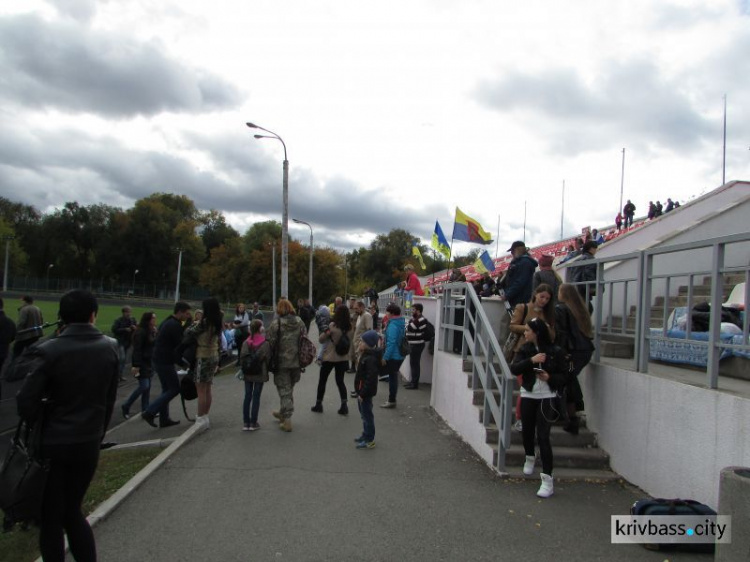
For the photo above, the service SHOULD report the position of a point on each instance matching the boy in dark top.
(168, 338)
(123, 329)
(366, 386)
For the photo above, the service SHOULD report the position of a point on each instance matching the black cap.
(516, 244)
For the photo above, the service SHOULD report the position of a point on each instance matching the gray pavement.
(421, 494)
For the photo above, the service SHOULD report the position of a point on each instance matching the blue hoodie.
(394, 334)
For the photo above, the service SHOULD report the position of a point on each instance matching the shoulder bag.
(307, 350)
(509, 349)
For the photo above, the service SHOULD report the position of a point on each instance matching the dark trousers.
(573, 392)
(252, 397)
(537, 416)
(72, 467)
(325, 370)
(415, 357)
(391, 367)
(368, 420)
(170, 387)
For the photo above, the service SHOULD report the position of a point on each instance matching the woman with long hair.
(255, 343)
(283, 335)
(241, 327)
(143, 350)
(339, 327)
(540, 306)
(574, 333)
(207, 333)
(542, 367)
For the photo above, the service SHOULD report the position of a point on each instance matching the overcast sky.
(393, 113)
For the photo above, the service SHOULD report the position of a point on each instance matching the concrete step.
(558, 436)
(581, 418)
(564, 457)
(564, 475)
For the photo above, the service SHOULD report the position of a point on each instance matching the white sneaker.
(518, 426)
(203, 421)
(528, 466)
(547, 488)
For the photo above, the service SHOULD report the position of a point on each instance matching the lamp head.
(252, 125)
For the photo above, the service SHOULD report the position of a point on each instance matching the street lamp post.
(50, 266)
(179, 270)
(310, 277)
(134, 274)
(7, 238)
(285, 211)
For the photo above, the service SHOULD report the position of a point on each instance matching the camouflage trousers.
(285, 380)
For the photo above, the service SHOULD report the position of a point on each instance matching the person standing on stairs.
(542, 366)
(573, 333)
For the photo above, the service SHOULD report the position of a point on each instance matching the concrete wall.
(452, 399)
(670, 439)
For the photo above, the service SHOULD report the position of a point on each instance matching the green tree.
(383, 263)
(215, 230)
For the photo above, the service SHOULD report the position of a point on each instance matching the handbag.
(23, 476)
(509, 348)
(307, 350)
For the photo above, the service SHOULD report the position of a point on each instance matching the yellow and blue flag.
(416, 253)
(469, 230)
(439, 243)
(484, 264)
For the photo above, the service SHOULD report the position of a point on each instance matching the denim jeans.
(143, 390)
(170, 387)
(252, 395)
(392, 366)
(123, 355)
(415, 359)
(368, 420)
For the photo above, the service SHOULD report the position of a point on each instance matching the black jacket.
(123, 331)
(143, 350)
(518, 279)
(7, 335)
(567, 333)
(168, 338)
(556, 366)
(368, 371)
(77, 372)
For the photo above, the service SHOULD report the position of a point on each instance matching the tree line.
(107, 244)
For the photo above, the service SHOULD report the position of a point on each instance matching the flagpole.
(497, 242)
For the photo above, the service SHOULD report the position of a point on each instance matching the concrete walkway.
(421, 494)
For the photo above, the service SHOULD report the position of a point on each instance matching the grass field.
(114, 470)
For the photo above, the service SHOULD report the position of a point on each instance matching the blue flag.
(439, 243)
(484, 264)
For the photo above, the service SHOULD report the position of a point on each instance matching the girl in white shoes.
(542, 367)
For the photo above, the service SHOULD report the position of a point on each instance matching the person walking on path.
(366, 386)
(362, 323)
(284, 335)
(416, 329)
(207, 334)
(258, 375)
(395, 332)
(123, 329)
(29, 326)
(241, 325)
(76, 374)
(333, 358)
(168, 338)
(542, 367)
(143, 352)
(573, 333)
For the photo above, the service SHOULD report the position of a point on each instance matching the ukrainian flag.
(417, 254)
(439, 243)
(484, 264)
(469, 230)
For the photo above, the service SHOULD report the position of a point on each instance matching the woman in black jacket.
(542, 367)
(573, 333)
(143, 351)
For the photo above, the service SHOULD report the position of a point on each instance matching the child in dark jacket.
(366, 386)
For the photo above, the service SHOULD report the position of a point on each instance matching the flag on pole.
(484, 264)
(416, 253)
(469, 230)
(439, 243)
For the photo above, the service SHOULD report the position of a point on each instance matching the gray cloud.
(80, 10)
(69, 67)
(626, 102)
(45, 169)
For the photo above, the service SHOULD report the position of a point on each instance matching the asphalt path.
(421, 494)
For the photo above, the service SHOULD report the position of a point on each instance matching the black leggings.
(325, 370)
(71, 469)
(537, 416)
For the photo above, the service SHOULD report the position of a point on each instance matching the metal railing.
(651, 274)
(462, 314)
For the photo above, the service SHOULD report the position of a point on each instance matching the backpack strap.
(184, 408)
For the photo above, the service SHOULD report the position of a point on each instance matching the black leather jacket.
(77, 372)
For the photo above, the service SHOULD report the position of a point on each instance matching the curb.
(108, 506)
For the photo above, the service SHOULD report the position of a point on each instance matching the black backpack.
(429, 332)
(251, 363)
(343, 345)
